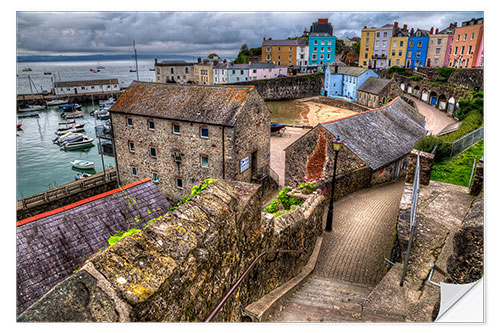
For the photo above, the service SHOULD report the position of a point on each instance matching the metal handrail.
(216, 310)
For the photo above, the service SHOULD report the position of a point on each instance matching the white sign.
(244, 164)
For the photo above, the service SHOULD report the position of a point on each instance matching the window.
(176, 129)
(377, 43)
(131, 146)
(178, 182)
(472, 36)
(409, 54)
(435, 62)
(329, 50)
(378, 34)
(92, 87)
(397, 62)
(268, 49)
(466, 63)
(151, 125)
(289, 57)
(384, 43)
(177, 156)
(203, 132)
(83, 88)
(465, 37)
(385, 34)
(456, 50)
(419, 43)
(469, 50)
(155, 177)
(438, 51)
(322, 49)
(418, 54)
(152, 151)
(187, 70)
(439, 41)
(462, 49)
(133, 169)
(204, 161)
(393, 53)
(290, 49)
(171, 70)
(458, 38)
(394, 44)
(279, 49)
(328, 56)
(315, 42)
(268, 57)
(129, 122)
(400, 53)
(366, 56)
(329, 42)
(401, 43)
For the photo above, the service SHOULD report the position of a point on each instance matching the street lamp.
(336, 144)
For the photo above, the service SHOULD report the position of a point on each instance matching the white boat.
(84, 142)
(57, 102)
(69, 125)
(72, 115)
(108, 102)
(31, 108)
(67, 137)
(102, 114)
(81, 164)
(69, 130)
(82, 175)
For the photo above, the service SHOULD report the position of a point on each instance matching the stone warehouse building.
(376, 92)
(376, 145)
(86, 86)
(180, 135)
(177, 71)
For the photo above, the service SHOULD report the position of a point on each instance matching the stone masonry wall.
(342, 104)
(179, 267)
(287, 88)
(471, 78)
(477, 183)
(426, 164)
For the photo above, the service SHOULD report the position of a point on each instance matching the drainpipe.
(223, 161)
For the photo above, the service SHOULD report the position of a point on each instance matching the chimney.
(405, 27)
(364, 27)
(411, 32)
(199, 59)
(225, 60)
(336, 69)
(437, 30)
(323, 20)
(264, 38)
(156, 61)
(432, 31)
(455, 24)
(395, 25)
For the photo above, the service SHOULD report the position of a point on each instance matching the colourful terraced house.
(343, 82)
(416, 52)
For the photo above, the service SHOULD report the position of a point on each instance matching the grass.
(457, 170)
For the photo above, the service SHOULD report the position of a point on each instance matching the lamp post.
(336, 144)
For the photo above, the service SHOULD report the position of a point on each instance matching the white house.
(220, 73)
(86, 86)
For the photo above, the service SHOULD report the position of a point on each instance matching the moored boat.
(82, 175)
(70, 107)
(31, 108)
(70, 136)
(18, 127)
(60, 132)
(57, 101)
(276, 127)
(69, 125)
(72, 115)
(101, 114)
(28, 115)
(107, 102)
(84, 142)
(82, 164)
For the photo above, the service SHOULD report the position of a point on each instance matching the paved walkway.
(435, 119)
(351, 259)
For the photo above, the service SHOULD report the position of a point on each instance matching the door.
(433, 100)
(254, 162)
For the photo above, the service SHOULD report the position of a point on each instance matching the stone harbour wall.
(287, 88)
(426, 164)
(352, 106)
(179, 267)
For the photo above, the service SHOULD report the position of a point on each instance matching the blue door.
(433, 100)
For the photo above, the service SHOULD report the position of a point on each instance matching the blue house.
(343, 82)
(237, 73)
(416, 52)
(321, 50)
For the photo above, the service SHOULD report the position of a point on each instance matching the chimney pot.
(432, 30)
(395, 24)
(405, 27)
(437, 30)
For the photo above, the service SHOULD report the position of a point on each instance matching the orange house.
(280, 52)
(467, 44)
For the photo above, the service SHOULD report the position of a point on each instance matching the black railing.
(216, 310)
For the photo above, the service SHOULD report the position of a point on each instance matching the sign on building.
(244, 164)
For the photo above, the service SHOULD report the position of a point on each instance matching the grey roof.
(380, 136)
(347, 70)
(175, 63)
(374, 85)
(51, 246)
(388, 25)
(218, 105)
(221, 65)
(59, 84)
(265, 65)
(281, 42)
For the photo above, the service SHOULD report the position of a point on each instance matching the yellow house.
(366, 48)
(203, 72)
(281, 52)
(397, 49)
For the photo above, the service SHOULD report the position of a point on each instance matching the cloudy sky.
(194, 33)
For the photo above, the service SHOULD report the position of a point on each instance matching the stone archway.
(425, 95)
(416, 91)
(441, 102)
(433, 99)
(450, 108)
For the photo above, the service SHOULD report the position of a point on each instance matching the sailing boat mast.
(136, 68)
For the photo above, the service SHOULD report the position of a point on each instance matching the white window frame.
(201, 131)
(201, 161)
(131, 146)
(132, 168)
(155, 179)
(149, 125)
(151, 150)
(173, 129)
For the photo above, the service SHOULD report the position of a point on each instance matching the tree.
(356, 47)
(212, 55)
(244, 48)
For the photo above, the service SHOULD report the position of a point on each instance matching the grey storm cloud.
(195, 32)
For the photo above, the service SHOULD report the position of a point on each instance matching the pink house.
(261, 71)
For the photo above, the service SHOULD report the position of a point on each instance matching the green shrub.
(427, 143)
(445, 72)
(466, 105)
(282, 202)
(416, 78)
(396, 69)
(121, 234)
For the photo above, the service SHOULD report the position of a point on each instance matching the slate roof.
(50, 246)
(59, 84)
(221, 65)
(374, 85)
(281, 42)
(380, 136)
(175, 63)
(347, 70)
(218, 105)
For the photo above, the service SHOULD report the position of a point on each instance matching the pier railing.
(68, 189)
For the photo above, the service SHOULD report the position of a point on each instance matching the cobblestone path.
(351, 259)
